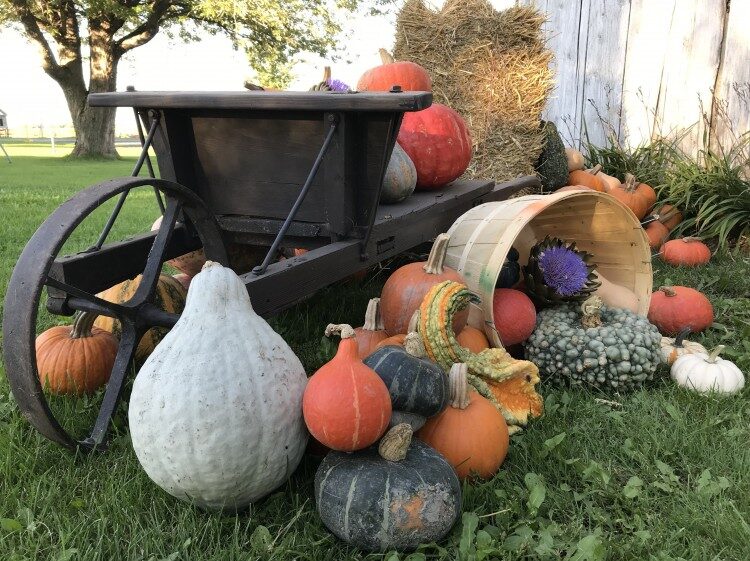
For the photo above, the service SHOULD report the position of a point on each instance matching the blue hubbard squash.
(394, 496)
(400, 178)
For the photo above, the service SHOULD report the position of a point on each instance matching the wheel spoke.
(85, 301)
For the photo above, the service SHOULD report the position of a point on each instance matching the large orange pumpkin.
(471, 433)
(587, 178)
(638, 197)
(686, 252)
(657, 233)
(75, 359)
(674, 308)
(438, 143)
(404, 290)
(514, 314)
(409, 75)
(372, 332)
(473, 339)
(346, 405)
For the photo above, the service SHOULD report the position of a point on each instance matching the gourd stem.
(434, 265)
(681, 336)
(395, 444)
(714, 354)
(82, 325)
(386, 57)
(629, 182)
(591, 309)
(459, 385)
(413, 326)
(209, 264)
(668, 290)
(413, 345)
(373, 318)
(344, 330)
(596, 169)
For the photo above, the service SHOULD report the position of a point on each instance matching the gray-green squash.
(400, 177)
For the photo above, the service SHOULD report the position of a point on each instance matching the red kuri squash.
(657, 233)
(686, 252)
(515, 316)
(409, 75)
(674, 308)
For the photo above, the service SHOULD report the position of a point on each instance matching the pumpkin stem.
(668, 290)
(434, 265)
(681, 336)
(386, 57)
(596, 169)
(413, 326)
(373, 318)
(395, 444)
(326, 73)
(591, 309)
(629, 182)
(413, 345)
(209, 264)
(82, 325)
(459, 385)
(664, 216)
(714, 354)
(344, 330)
(690, 239)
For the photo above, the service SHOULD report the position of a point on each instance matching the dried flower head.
(564, 270)
(337, 85)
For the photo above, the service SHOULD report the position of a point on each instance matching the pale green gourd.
(400, 177)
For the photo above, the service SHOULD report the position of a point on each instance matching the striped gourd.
(169, 296)
(505, 381)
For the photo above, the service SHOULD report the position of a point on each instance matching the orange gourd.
(670, 216)
(470, 433)
(657, 233)
(346, 405)
(75, 359)
(674, 308)
(404, 290)
(473, 339)
(372, 332)
(587, 178)
(409, 75)
(638, 197)
(396, 340)
(514, 314)
(686, 252)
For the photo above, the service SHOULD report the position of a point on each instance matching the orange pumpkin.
(409, 75)
(372, 332)
(587, 178)
(670, 216)
(473, 339)
(574, 188)
(346, 405)
(638, 197)
(514, 314)
(674, 308)
(75, 359)
(404, 290)
(657, 233)
(396, 340)
(471, 433)
(685, 252)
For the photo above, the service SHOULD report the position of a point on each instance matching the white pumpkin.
(216, 410)
(704, 372)
(674, 348)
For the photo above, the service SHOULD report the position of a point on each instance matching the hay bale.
(493, 68)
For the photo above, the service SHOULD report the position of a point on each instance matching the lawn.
(657, 474)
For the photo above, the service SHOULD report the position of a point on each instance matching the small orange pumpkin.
(473, 339)
(75, 359)
(346, 405)
(674, 308)
(657, 234)
(588, 178)
(372, 332)
(670, 216)
(470, 433)
(638, 197)
(685, 252)
(409, 75)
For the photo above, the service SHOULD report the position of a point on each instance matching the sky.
(31, 98)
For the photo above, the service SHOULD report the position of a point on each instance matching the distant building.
(4, 123)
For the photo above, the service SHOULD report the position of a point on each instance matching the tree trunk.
(95, 131)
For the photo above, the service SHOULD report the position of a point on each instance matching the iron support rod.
(260, 269)
(139, 125)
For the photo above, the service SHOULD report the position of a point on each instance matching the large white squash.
(216, 410)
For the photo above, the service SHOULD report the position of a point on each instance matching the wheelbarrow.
(261, 170)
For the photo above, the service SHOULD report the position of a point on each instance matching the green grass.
(663, 474)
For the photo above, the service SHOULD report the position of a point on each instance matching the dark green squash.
(379, 504)
(510, 272)
(417, 386)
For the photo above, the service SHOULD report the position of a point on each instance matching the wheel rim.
(31, 275)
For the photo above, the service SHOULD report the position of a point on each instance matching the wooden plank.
(731, 114)
(283, 101)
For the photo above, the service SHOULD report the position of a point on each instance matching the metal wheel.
(39, 266)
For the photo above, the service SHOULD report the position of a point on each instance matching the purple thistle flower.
(337, 85)
(564, 270)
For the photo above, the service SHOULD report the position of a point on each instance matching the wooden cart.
(259, 169)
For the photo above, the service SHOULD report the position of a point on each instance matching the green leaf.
(537, 492)
(469, 522)
(672, 411)
(67, 554)
(590, 548)
(633, 487)
(708, 487)
(596, 473)
(414, 557)
(10, 525)
(261, 539)
(551, 443)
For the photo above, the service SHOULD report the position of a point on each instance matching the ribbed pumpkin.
(75, 359)
(657, 233)
(169, 296)
(372, 332)
(674, 308)
(638, 197)
(471, 433)
(685, 252)
(346, 405)
(514, 314)
(392, 497)
(435, 315)
(473, 339)
(707, 372)
(400, 177)
(190, 263)
(674, 348)
(403, 291)
(587, 178)
(438, 142)
(409, 75)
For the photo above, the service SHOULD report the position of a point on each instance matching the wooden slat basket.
(599, 224)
